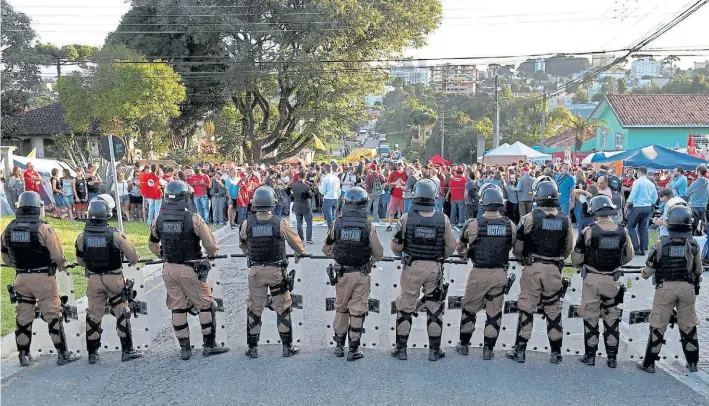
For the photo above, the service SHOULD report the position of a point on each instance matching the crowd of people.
(221, 192)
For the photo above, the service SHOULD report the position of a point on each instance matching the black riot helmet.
(98, 210)
(602, 205)
(547, 194)
(492, 198)
(679, 218)
(424, 195)
(177, 191)
(264, 199)
(356, 198)
(29, 204)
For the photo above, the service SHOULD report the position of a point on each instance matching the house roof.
(44, 121)
(660, 110)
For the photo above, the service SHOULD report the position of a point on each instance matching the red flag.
(691, 148)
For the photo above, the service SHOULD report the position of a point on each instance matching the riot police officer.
(601, 249)
(100, 249)
(423, 239)
(544, 239)
(263, 239)
(487, 241)
(354, 244)
(31, 246)
(675, 260)
(175, 236)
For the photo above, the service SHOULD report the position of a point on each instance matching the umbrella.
(438, 160)
(654, 157)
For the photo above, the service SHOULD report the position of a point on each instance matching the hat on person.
(459, 169)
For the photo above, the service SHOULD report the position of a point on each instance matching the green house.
(638, 120)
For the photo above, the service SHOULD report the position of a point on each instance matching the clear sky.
(468, 28)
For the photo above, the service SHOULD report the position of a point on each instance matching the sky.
(468, 27)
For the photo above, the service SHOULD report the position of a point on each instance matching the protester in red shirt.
(150, 189)
(456, 193)
(200, 182)
(397, 180)
(32, 179)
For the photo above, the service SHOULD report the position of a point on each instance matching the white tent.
(589, 157)
(507, 154)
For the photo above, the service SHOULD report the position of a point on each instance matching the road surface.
(316, 376)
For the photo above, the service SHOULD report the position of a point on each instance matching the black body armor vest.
(351, 247)
(605, 251)
(548, 236)
(676, 260)
(22, 242)
(491, 248)
(267, 245)
(100, 253)
(425, 236)
(178, 239)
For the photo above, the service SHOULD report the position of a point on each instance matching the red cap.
(373, 166)
(459, 169)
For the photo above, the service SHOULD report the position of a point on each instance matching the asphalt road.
(315, 376)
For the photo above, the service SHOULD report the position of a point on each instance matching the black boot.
(252, 342)
(209, 341)
(488, 348)
(555, 356)
(355, 352)
(612, 361)
(92, 347)
(25, 358)
(692, 360)
(589, 356)
(434, 349)
(463, 345)
(127, 351)
(340, 341)
(648, 363)
(64, 356)
(24, 350)
(288, 348)
(519, 352)
(400, 350)
(185, 348)
(692, 356)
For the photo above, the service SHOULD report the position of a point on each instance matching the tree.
(580, 97)
(598, 97)
(20, 66)
(622, 85)
(124, 96)
(74, 54)
(540, 75)
(268, 62)
(583, 127)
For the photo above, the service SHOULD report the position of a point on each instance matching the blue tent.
(653, 157)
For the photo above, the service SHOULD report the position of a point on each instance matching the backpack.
(376, 185)
(614, 183)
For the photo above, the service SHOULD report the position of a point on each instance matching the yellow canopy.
(357, 153)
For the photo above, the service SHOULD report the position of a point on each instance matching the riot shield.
(137, 301)
(41, 340)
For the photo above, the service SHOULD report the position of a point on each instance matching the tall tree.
(622, 85)
(20, 77)
(126, 97)
(583, 128)
(269, 61)
(75, 54)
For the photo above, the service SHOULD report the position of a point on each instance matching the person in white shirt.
(330, 190)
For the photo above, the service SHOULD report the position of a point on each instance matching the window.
(619, 141)
(701, 142)
(604, 140)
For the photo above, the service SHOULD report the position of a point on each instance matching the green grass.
(137, 233)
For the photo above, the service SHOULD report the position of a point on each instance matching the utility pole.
(443, 111)
(544, 119)
(496, 137)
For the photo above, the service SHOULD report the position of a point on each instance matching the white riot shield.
(418, 336)
(457, 277)
(138, 317)
(41, 340)
(214, 279)
(510, 315)
(269, 321)
(373, 321)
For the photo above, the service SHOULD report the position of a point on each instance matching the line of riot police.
(423, 239)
